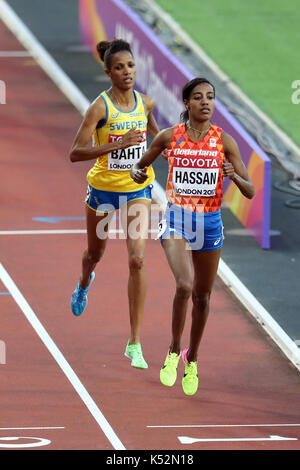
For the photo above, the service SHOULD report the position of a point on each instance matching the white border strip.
(7, 54)
(177, 29)
(34, 427)
(59, 232)
(53, 70)
(40, 232)
(80, 102)
(261, 315)
(60, 359)
(222, 425)
(44, 59)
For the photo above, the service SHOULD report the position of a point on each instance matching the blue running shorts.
(108, 201)
(203, 231)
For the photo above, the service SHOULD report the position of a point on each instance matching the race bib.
(162, 227)
(195, 182)
(124, 159)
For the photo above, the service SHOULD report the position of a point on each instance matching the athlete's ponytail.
(106, 49)
(186, 93)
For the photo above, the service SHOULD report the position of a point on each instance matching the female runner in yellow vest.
(118, 121)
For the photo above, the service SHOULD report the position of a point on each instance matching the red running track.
(65, 383)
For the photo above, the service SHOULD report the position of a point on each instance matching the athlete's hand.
(132, 137)
(165, 154)
(228, 170)
(139, 175)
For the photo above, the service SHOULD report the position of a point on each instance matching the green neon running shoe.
(134, 352)
(168, 372)
(190, 378)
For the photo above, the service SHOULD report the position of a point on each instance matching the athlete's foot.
(168, 373)
(190, 378)
(134, 352)
(79, 298)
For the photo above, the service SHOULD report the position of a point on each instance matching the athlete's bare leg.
(179, 259)
(97, 234)
(135, 221)
(205, 268)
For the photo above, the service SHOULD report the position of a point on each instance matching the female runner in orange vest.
(118, 120)
(200, 155)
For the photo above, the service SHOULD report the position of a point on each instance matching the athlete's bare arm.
(160, 142)
(152, 127)
(81, 149)
(234, 167)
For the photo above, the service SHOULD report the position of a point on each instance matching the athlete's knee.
(136, 262)
(94, 256)
(201, 300)
(184, 287)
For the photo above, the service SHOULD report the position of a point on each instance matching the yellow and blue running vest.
(111, 172)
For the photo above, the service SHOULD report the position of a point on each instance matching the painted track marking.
(14, 54)
(77, 98)
(224, 425)
(34, 427)
(60, 359)
(38, 442)
(192, 440)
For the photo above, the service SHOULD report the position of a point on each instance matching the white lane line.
(192, 440)
(60, 359)
(40, 232)
(56, 73)
(58, 232)
(80, 101)
(261, 315)
(34, 427)
(15, 54)
(39, 53)
(224, 425)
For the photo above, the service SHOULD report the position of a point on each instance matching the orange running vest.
(195, 177)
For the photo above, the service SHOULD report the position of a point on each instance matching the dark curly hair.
(106, 49)
(187, 90)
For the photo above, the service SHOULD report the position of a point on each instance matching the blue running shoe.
(79, 298)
